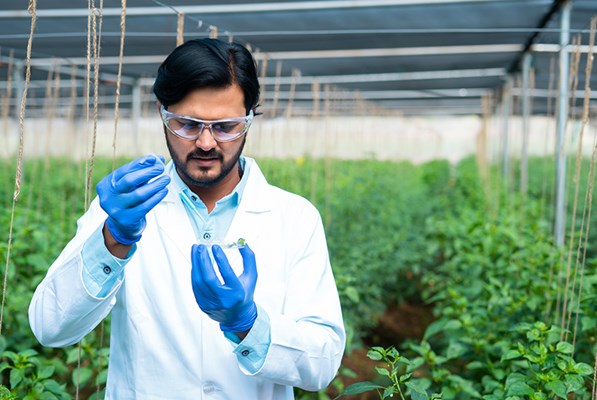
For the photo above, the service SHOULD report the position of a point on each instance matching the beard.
(203, 180)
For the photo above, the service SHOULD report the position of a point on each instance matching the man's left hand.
(230, 303)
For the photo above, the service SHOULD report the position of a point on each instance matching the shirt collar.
(234, 197)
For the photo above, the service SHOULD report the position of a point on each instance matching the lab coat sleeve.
(308, 337)
(62, 310)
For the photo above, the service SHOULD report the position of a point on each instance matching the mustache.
(199, 153)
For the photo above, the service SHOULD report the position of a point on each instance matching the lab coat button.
(107, 269)
(245, 352)
(208, 388)
(206, 236)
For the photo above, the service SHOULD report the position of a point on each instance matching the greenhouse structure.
(448, 146)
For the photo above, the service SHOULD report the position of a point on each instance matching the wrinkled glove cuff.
(126, 239)
(244, 322)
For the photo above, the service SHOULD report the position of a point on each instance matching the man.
(261, 319)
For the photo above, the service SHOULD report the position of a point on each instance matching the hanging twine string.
(31, 9)
(120, 56)
(566, 293)
(180, 30)
(96, 57)
(94, 34)
(293, 78)
(276, 89)
(87, 90)
(564, 278)
(594, 395)
(589, 192)
(213, 32)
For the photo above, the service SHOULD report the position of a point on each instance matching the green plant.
(547, 368)
(30, 377)
(399, 379)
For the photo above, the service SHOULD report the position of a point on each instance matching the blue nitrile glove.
(126, 196)
(231, 303)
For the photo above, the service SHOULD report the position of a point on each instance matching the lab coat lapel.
(255, 201)
(173, 222)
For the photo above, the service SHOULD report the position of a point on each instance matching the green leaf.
(452, 325)
(475, 365)
(582, 369)
(45, 372)
(52, 386)
(418, 395)
(10, 355)
(519, 389)
(72, 355)
(574, 382)
(352, 294)
(434, 328)
(511, 354)
(374, 355)
(565, 348)
(82, 375)
(455, 350)
(16, 377)
(358, 388)
(48, 396)
(558, 387)
(588, 323)
(382, 371)
(388, 392)
(28, 353)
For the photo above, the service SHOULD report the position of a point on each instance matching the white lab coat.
(162, 345)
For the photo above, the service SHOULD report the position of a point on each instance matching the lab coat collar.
(253, 198)
(174, 222)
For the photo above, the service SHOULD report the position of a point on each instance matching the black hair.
(206, 63)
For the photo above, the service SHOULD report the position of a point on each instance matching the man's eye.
(179, 123)
(227, 127)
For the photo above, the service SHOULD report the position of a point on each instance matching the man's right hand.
(126, 195)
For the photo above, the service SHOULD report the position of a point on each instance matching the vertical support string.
(96, 29)
(584, 123)
(96, 57)
(213, 32)
(118, 79)
(274, 108)
(180, 30)
(293, 78)
(573, 81)
(87, 90)
(31, 9)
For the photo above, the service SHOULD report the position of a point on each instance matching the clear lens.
(222, 131)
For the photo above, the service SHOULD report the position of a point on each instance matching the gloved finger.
(141, 195)
(249, 274)
(230, 278)
(203, 273)
(136, 178)
(137, 164)
(143, 208)
(145, 192)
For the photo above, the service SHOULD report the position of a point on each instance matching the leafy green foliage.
(395, 232)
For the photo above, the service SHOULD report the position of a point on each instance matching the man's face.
(204, 162)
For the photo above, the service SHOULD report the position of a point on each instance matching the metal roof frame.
(385, 49)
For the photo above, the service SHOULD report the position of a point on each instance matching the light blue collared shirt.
(102, 271)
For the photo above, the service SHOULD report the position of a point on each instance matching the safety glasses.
(222, 130)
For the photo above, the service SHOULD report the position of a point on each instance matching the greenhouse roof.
(413, 56)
